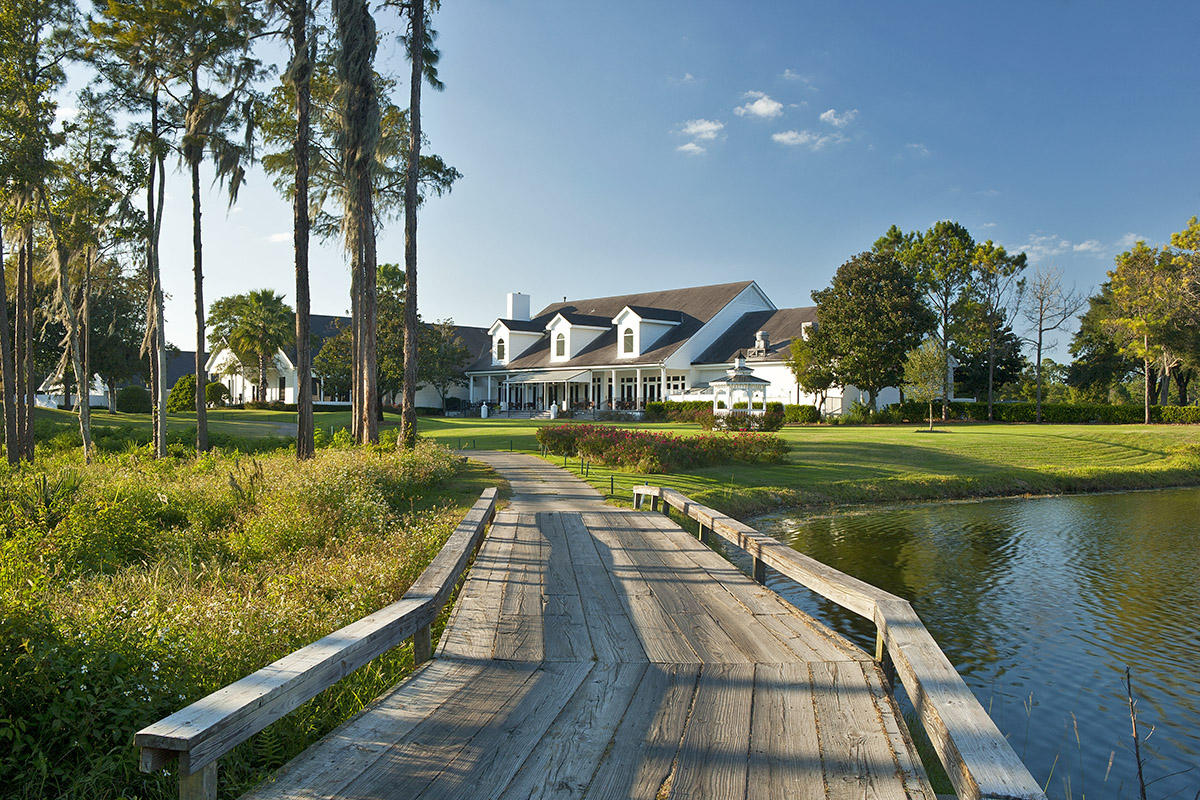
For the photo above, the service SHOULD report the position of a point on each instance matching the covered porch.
(599, 389)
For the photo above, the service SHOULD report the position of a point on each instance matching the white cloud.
(1129, 240)
(988, 192)
(837, 120)
(280, 237)
(917, 149)
(988, 225)
(791, 75)
(1090, 246)
(687, 78)
(761, 105)
(1045, 245)
(810, 139)
(702, 130)
(691, 148)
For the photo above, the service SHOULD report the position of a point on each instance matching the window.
(627, 341)
(282, 387)
(560, 345)
(499, 349)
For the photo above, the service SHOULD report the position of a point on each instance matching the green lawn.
(835, 465)
(827, 465)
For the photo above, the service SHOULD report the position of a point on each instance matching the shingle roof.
(782, 325)
(320, 328)
(694, 306)
(529, 325)
(586, 319)
(661, 314)
(180, 363)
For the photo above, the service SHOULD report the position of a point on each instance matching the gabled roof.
(527, 325)
(586, 320)
(320, 328)
(180, 363)
(656, 314)
(694, 306)
(782, 325)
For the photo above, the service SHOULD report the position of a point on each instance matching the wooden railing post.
(884, 659)
(422, 646)
(200, 785)
(760, 570)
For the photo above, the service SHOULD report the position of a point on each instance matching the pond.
(1041, 604)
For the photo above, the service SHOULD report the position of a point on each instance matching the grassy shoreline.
(841, 467)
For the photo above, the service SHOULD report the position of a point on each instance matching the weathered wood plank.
(565, 759)
(855, 752)
(564, 630)
(519, 629)
(471, 631)
(660, 637)
(646, 743)
(916, 783)
(714, 755)
(606, 615)
(785, 754)
(408, 767)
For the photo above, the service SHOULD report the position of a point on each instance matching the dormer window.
(560, 345)
(499, 350)
(627, 341)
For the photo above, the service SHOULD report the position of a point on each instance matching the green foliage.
(215, 393)
(1060, 413)
(133, 400)
(925, 375)
(811, 362)
(677, 411)
(182, 398)
(136, 586)
(254, 327)
(804, 415)
(869, 318)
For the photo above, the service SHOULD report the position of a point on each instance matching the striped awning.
(554, 376)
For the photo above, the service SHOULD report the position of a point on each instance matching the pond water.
(1041, 604)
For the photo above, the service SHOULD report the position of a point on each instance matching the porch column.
(638, 395)
(662, 386)
(488, 396)
(471, 388)
(612, 392)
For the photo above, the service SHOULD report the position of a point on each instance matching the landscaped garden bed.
(651, 452)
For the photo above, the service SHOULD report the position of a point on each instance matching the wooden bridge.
(600, 653)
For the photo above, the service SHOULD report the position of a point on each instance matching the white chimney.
(518, 306)
(762, 342)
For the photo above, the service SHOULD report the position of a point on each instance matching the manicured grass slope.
(836, 465)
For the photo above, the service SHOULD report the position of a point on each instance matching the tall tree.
(129, 44)
(211, 70)
(942, 257)
(993, 296)
(423, 57)
(1098, 366)
(871, 316)
(1049, 305)
(357, 143)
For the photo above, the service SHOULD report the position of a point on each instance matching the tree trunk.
(31, 384)
(302, 85)
(1182, 378)
(155, 199)
(945, 358)
(198, 287)
(262, 378)
(1038, 374)
(86, 383)
(408, 410)
(7, 371)
(991, 370)
(1146, 361)
(370, 290)
(22, 300)
(931, 415)
(1164, 386)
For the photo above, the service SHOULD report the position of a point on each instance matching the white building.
(622, 352)
(224, 366)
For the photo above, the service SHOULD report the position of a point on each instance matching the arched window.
(560, 345)
(499, 349)
(627, 345)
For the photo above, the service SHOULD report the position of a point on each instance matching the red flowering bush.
(645, 451)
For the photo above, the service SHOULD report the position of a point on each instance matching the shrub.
(802, 414)
(183, 395)
(216, 393)
(1060, 413)
(677, 411)
(133, 400)
(649, 452)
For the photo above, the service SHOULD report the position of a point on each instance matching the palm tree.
(263, 329)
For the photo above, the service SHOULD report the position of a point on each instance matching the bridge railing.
(196, 736)
(978, 759)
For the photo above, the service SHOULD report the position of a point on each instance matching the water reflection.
(1041, 604)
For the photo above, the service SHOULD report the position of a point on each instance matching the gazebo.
(740, 384)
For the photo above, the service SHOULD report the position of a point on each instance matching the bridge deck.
(606, 654)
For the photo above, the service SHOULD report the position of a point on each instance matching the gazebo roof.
(739, 380)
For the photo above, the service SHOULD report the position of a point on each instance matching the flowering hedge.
(649, 452)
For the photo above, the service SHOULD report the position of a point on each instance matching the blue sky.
(621, 147)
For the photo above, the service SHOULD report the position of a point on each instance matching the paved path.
(601, 653)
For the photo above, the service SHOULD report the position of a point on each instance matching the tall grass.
(134, 586)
